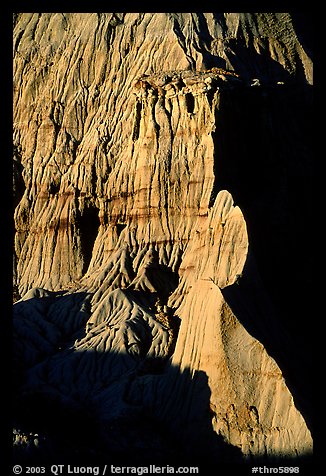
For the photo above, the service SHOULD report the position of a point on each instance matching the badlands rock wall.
(133, 264)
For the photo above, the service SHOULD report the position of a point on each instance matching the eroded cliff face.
(140, 300)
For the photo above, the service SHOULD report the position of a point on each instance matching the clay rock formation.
(129, 252)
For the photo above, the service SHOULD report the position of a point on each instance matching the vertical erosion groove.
(87, 224)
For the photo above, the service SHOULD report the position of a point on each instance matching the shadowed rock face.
(155, 156)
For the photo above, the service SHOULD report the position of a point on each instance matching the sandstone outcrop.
(139, 296)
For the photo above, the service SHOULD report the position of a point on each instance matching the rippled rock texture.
(158, 160)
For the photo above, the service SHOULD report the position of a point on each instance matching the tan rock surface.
(124, 240)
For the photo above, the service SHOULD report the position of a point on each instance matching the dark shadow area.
(263, 157)
(253, 307)
(136, 129)
(159, 418)
(249, 64)
(303, 23)
(120, 228)
(205, 40)
(46, 324)
(53, 426)
(164, 280)
(242, 55)
(18, 181)
(168, 424)
(190, 103)
(162, 277)
(88, 224)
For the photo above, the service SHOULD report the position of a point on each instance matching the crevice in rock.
(88, 224)
(120, 227)
(135, 134)
(19, 184)
(190, 103)
(217, 151)
(54, 188)
(19, 36)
